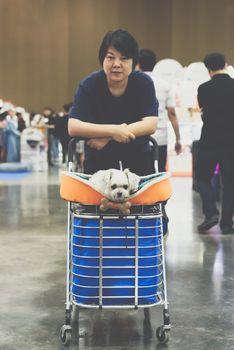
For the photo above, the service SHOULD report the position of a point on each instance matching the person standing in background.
(11, 136)
(3, 123)
(216, 144)
(147, 61)
(61, 127)
(53, 141)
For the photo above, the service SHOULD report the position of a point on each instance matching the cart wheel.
(65, 335)
(162, 335)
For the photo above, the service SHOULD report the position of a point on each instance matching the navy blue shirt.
(94, 103)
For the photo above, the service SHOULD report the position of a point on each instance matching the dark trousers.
(64, 144)
(162, 158)
(206, 162)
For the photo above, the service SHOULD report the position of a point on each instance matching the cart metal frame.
(162, 332)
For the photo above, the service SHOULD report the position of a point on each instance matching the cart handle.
(154, 147)
(71, 146)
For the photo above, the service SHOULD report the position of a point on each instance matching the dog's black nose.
(119, 194)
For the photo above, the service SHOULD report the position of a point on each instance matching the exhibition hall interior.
(80, 268)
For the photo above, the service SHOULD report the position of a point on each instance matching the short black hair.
(123, 42)
(147, 60)
(215, 61)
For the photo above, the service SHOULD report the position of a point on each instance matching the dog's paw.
(105, 204)
(125, 208)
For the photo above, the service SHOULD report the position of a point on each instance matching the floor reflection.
(200, 277)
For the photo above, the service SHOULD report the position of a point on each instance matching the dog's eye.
(113, 187)
(125, 187)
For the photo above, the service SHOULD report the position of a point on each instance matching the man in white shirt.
(147, 61)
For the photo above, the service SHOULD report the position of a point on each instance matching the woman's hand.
(98, 143)
(122, 134)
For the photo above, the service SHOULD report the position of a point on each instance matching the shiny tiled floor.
(200, 273)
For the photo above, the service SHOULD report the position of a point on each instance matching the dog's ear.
(108, 176)
(133, 180)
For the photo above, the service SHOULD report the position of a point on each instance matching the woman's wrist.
(111, 131)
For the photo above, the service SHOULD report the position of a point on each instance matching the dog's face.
(116, 184)
(122, 184)
(118, 188)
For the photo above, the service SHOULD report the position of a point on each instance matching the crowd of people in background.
(14, 121)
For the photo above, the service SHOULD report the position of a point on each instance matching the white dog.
(116, 184)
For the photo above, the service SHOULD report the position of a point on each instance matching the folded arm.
(146, 126)
(100, 134)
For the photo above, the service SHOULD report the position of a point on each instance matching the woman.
(116, 109)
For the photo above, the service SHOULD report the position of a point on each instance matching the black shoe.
(208, 223)
(227, 230)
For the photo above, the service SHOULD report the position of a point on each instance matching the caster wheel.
(162, 335)
(65, 335)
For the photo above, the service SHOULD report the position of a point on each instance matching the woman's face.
(116, 66)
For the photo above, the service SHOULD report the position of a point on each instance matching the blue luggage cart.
(115, 261)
